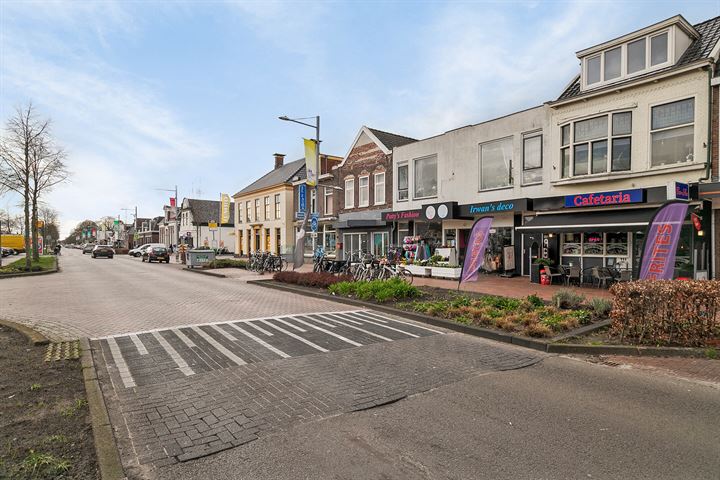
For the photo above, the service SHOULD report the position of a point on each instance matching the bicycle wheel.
(283, 264)
(405, 275)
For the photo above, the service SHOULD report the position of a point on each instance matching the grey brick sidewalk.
(192, 416)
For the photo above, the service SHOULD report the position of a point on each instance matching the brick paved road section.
(99, 297)
(169, 416)
(143, 357)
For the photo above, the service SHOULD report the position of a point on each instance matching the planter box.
(446, 272)
(418, 270)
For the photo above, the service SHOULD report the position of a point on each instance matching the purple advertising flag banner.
(661, 239)
(475, 256)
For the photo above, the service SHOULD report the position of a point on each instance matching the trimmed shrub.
(567, 299)
(378, 290)
(666, 312)
(227, 263)
(310, 279)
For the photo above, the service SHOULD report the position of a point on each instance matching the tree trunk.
(26, 201)
(36, 253)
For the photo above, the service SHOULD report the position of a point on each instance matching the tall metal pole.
(317, 178)
(177, 219)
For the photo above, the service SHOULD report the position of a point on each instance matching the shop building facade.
(200, 225)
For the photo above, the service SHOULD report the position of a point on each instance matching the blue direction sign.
(302, 198)
(314, 224)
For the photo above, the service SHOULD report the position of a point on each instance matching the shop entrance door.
(531, 251)
(380, 243)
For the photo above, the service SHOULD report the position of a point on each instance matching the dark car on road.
(158, 254)
(103, 251)
(88, 248)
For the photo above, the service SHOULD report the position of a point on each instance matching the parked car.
(138, 252)
(103, 251)
(159, 254)
(88, 248)
(5, 252)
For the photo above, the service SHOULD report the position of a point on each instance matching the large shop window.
(496, 164)
(402, 182)
(672, 133)
(532, 159)
(349, 193)
(364, 191)
(599, 145)
(595, 249)
(425, 177)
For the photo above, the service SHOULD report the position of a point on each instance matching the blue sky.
(152, 94)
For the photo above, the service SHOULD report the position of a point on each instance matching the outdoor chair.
(602, 276)
(554, 275)
(625, 276)
(573, 272)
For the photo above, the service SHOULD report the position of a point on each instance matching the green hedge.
(227, 263)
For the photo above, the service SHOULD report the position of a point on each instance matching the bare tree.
(23, 132)
(47, 169)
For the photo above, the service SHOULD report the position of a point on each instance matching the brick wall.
(363, 160)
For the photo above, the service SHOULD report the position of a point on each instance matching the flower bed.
(311, 279)
(381, 291)
(529, 316)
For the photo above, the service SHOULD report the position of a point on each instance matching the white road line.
(391, 328)
(357, 314)
(260, 341)
(296, 337)
(219, 347)
(376, 315)
(138, 344)
(242, 320)
(284, 322)
(355, 322)
(223, 333)
(346, 340)
(183, 337)
(260, 329)
(184, 368)
(316, 320)
(122, 367)
(359, 329)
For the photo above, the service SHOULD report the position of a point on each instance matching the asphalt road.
(559, 419)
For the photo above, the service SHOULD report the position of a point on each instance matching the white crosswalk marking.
(390, 328)
(219, 347)
(122, 367)
(359, 329)
(260, 341)
(259, 329)
(183, 338)
(184, 368)
(378, 317)
(222, 332)
(289, 324)
(296, 337)
(318, 321)
(346, 340)
(138, 344)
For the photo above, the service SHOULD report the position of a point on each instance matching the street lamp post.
(317, 165)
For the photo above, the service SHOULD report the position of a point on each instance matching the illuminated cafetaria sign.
(619, 197)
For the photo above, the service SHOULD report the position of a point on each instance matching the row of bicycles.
(364, 266)
(261, 262)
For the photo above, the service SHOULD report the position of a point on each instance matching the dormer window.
(635, 57)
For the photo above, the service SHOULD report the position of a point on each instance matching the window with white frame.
(379, 185)
(496, 164)
(257, 209)
(637, 56)
(238, 212)
(248, 211)
(672, 128)
(267, 207)
(425, 177)
(350, 193)
(364, 191)
(313, 200)
(599, 145)
(402, 182)
(277, 206)
(328, 205)
(532, 158)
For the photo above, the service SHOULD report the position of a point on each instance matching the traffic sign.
(314, 224)
(302, 197)
(299, 215)
(212, 225)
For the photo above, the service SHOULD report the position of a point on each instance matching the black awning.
(622, 220)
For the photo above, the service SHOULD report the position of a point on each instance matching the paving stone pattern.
(182, 417)
(97, 297)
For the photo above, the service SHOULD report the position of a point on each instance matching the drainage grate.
(63, 351)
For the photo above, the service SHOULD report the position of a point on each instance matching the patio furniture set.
(600, 277)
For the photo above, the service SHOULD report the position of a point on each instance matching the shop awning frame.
(623, 220)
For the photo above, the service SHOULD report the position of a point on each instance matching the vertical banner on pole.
(661, 239)
(224, 208)
(475, 255)
(311, 166)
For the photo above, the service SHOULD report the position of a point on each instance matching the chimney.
(279, 159)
